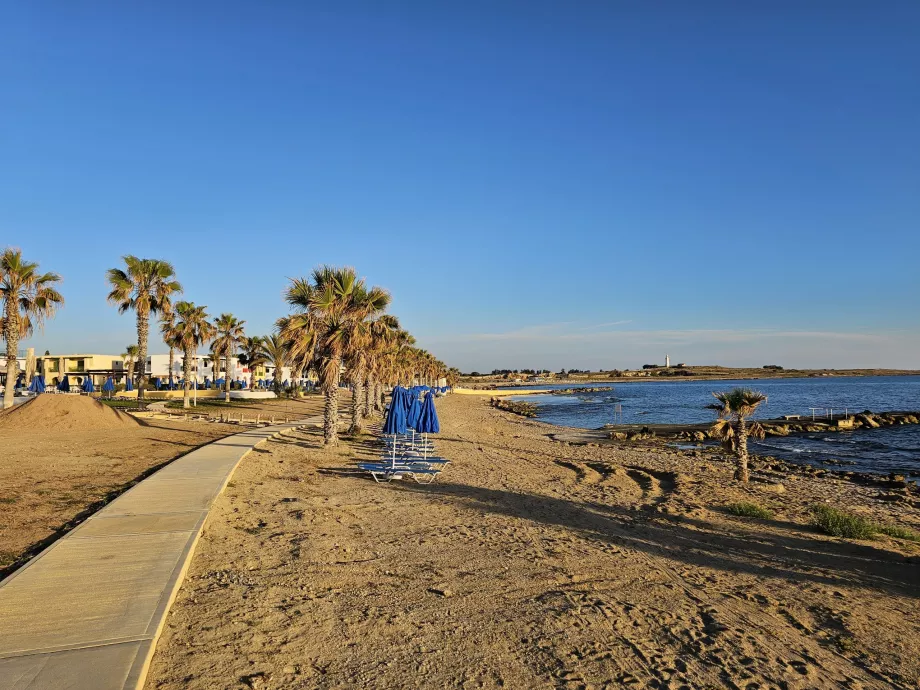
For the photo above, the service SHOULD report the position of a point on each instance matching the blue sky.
(551, 184)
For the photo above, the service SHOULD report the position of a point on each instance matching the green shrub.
(839, 523)
(899, 532)
(748, 509)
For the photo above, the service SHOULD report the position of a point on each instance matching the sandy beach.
(64, 460)
(534, 563)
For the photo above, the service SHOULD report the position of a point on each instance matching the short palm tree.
(147, 286)
(189, 330)
(251, 356)
(229, 336)
(734, 409)
(130, 356)
(28, 298)
(338, 302)
(274, 351)
(300, 335)
(167, 321)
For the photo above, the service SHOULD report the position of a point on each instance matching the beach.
(536, 563)
(65, 460)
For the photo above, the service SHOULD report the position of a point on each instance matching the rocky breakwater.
(574, 391)
(524, 409)
(772, 427)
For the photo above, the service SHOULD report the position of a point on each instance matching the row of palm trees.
(338, 330)
(338, 327)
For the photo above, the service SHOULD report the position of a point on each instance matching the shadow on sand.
(795, 558)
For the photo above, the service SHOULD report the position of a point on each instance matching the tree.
(251, 356)
(299, 334)
(28, 297)
(274, 350)
(146, 286)
(188, 330)
(338, 302)
(229, 336)
(167, 320)
(130, 356)
(734, 408)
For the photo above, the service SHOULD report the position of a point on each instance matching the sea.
(886, 450)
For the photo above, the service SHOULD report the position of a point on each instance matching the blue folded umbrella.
(395, 422)
(109, 385)
(88, 385)
(128, 385)
(428, 422)
(415, 409)
(64, 385)
(37, 385)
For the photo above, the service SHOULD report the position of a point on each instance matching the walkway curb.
(86, 613)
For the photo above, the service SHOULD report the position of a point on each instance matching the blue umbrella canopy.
(64, 385)
(207, 383)
(157, 383)
(415, 409)
(88, 385)
(109, 385)
(395, 422)
(128, 385)
(428, 420)
(37, 385)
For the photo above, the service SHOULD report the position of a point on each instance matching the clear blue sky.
(538, 183)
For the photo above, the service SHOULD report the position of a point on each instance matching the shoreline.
(500, 385)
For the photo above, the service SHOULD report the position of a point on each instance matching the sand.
(62, 457)
(534, 564)
(64, 413)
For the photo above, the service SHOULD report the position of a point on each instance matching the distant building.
(80, 366)
(667, 362)
(158, 366)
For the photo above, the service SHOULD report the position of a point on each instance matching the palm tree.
(274, 350)
(734, 408)
(300, 335)
(251, 356)
(338, 302)
(146, 286)
(189, 330)
(382, 339)
(28, 298)
(229, 335)
(130, 356)
(167, 321)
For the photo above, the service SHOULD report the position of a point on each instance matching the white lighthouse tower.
(667, 362)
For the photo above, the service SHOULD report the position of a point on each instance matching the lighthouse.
(667, 362)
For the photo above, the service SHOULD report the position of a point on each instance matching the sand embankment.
(533, 563)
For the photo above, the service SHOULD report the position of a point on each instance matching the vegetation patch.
(899, 532)
(750, 510)
(839, 523)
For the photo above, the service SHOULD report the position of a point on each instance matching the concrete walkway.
(87, 611)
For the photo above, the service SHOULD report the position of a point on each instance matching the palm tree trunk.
(12, 345)
(143, 324)
(331, 409)
(276, 380)
(741, 472)
(186, 374)
(357, 404)
(368, 396)
(227, 376)
(172, 363)
(131, 370)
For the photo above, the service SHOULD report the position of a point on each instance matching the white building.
(667, 362)
(158, 366)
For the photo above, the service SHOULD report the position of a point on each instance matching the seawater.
(684, 401)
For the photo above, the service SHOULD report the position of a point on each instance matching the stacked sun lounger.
(408, 456)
